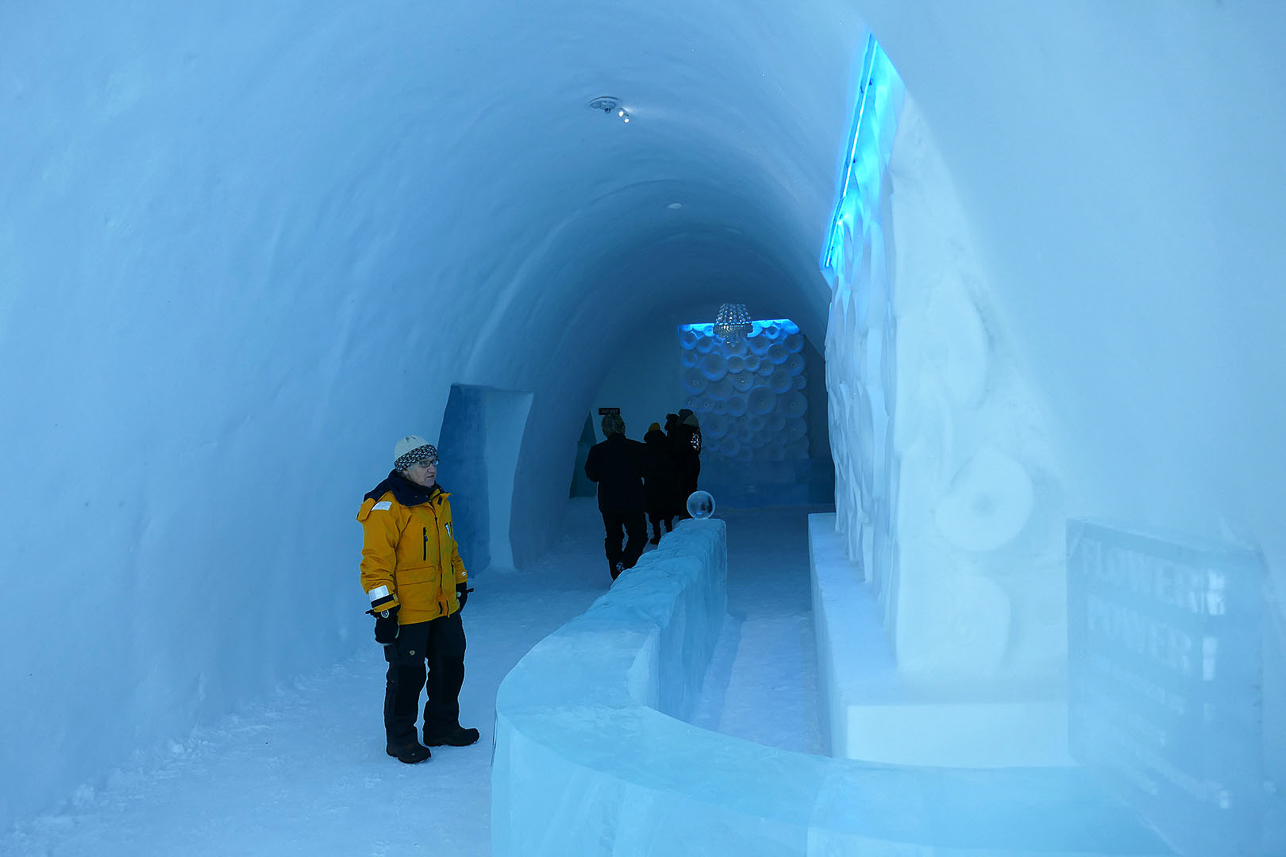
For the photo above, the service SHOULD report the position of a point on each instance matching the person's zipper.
(425, 530)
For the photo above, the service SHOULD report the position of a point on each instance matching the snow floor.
(306, 773)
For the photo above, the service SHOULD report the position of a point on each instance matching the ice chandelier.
(732, 323)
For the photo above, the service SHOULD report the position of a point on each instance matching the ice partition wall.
(945, 493)
(747, 394)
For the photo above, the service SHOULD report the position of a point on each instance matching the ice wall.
(749, 394)
(462, 470)
(1123, 202)
(946, 490)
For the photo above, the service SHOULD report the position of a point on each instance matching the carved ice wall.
(944, 491)
(748, 396)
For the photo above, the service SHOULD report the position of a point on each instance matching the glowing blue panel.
(869, 143)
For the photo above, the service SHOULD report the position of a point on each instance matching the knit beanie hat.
(411, 450)
(613, 424)
(692, 421)
(654, 427)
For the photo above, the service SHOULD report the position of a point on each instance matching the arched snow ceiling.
(354, 206)
(390, 198)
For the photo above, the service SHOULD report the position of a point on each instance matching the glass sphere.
(700, 504)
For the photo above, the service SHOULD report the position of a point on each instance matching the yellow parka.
(412, 552)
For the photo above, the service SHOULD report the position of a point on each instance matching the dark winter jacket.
(686, 444)
(661, 486)
(618, 465)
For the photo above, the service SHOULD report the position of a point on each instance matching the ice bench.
(872, 714)
(591, 756)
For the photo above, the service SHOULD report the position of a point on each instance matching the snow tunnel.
(245, 247)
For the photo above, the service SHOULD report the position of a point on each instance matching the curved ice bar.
(591, 758)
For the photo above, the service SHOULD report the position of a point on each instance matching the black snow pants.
(440, 645)
(634, 525)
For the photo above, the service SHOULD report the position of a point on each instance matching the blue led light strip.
(868, 73)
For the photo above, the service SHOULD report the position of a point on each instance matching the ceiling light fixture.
(732, 323)
(608, 103)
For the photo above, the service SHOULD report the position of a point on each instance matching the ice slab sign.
(1164, 663)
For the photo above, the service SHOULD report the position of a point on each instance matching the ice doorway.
(478, 450)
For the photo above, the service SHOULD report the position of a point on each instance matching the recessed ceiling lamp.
(609, 103)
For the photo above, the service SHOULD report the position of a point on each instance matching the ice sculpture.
(700, 504)
(747, 394)
(946, 495)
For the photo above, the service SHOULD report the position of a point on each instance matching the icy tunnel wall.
(1116, 167)
(947, 495)
(243, 249)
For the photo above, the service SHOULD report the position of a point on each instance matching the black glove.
(462, 591)
(385, 625)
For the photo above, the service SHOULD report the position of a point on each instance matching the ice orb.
(700, 504)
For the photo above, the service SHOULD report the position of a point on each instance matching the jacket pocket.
(420, 583)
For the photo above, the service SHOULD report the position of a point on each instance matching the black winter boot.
(452, 736)
(408, 753)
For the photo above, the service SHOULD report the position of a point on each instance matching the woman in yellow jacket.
(412, 572)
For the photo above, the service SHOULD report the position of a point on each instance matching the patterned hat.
(411, 450)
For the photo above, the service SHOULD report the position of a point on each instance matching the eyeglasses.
(428, 462)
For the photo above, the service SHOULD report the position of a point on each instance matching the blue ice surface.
(462, 470)
(1165, 640)
(755, 484)
(592, 756)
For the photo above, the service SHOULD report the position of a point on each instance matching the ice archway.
(243, 247)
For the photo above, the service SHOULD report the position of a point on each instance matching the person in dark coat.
(618, 465)
(685, 441)
(679, 455)
(661, 485)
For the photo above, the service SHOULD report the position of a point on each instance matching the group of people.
(417, 583)
(642, 481)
